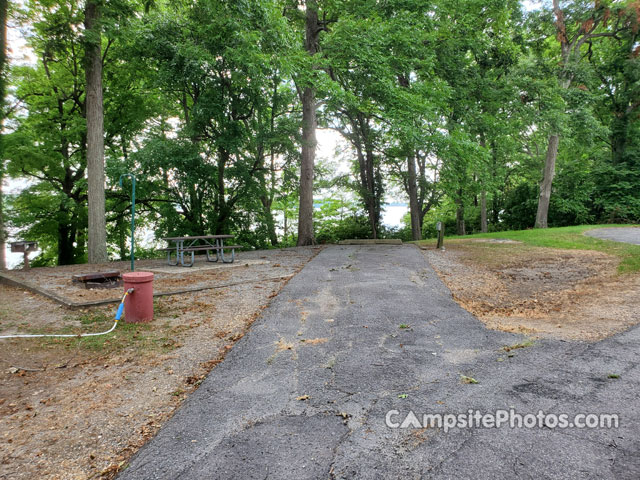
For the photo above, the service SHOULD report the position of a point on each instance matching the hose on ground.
(115, 324)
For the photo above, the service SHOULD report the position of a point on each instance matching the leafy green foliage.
(450, 104)
(339, 220)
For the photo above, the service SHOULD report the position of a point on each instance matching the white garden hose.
(115, 324)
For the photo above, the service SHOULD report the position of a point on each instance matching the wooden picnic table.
(199, 243)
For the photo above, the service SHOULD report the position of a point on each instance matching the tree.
(216, 104)
(48, 143)
(3, 92)
(367, 53)
(359, 69)
(224, 78)
(313, 27)
(97, 234)
(576, 25)
(615, 86)
(416, 107)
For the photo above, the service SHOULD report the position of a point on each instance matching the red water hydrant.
(138, 307)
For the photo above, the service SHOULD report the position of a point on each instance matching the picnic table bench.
(212, 245)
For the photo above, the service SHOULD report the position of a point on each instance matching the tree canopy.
(484, 115)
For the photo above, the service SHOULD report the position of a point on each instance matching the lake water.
(393, 213)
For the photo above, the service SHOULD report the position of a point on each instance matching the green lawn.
(570, 238)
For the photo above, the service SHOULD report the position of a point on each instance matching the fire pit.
(111, 279)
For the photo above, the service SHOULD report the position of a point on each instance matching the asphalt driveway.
(617, 234)
(364, 332)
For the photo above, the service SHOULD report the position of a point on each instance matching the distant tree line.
(480, 114)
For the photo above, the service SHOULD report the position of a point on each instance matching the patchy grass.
(569, 238)
(143, 337)
(92, 318)
(161, 308)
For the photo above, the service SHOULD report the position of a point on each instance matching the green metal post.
(133, 215)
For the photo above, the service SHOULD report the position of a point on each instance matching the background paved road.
(619, 234)
(247, 419)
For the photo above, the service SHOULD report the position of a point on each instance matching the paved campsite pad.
(366, 329)
(618, 234)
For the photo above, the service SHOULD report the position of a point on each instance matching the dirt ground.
(58, 281)
(569, 294)
(79, 408)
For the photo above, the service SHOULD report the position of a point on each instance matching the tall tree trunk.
(414, 207)
(286, 225)
(373, 197)
(266, 199)
(566, 47)
(97, 244)
(619, 133)
(367, 190)
(65, 245)
(623, 110)
(222, 210)
(460, 226)
(3, 69)
(483, 212)
(570, 45)
(3, 235)
(122, 238)
(306, 234)
(495, 210)
(77, 238)
(483, 193)
(269, 220)
(547, 182)
(269, 197)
